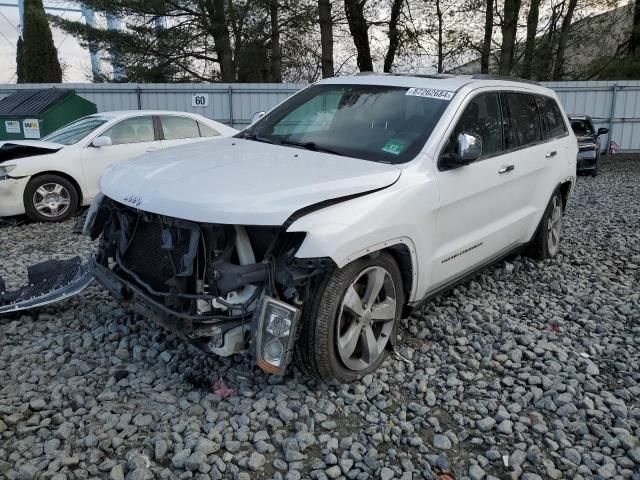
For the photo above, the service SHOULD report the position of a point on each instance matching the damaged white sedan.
(310, 233)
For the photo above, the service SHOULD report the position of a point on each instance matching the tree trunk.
(220, 33)
(530, 44)
(394, 34)
(440, 35)
(326, 37)
(276, 53)
(488, 34)
(359, 29)
(509, 31)
(562, 41)
(634, 41)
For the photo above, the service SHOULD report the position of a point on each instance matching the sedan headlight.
(5, 169)
(274, 332)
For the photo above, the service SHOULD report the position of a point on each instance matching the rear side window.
(521, 121)
(481, 118)
(206, 131)
(175, 128)
(552, 123)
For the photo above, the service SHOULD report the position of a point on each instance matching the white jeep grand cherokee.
(309, 234)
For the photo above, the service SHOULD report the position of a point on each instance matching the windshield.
(581, 127)
(371, 122)
(76, 131)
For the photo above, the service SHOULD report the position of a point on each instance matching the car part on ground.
(48, 282)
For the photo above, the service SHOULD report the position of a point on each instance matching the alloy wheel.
(51, 200)
(554, 226)
(366, 318)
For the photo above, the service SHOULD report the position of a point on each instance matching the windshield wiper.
(311, 146)
(256, 138)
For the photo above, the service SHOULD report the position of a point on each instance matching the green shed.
(32, 114)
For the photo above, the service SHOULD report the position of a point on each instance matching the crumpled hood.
(12, 149)
(236, 181)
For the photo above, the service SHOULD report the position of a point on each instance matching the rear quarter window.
(550, 117)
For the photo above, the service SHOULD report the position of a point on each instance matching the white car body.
(345, 206)
(474, 209)
(83, 163)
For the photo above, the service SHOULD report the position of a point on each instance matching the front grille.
(156, 252)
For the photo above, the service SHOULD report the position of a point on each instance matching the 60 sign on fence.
(199, 99)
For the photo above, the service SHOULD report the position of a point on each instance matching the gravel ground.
(531, 370)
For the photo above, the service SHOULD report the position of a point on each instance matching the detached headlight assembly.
(274, 334)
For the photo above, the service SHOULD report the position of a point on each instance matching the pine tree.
(37, 57)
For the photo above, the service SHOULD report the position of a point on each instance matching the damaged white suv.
(309, 234)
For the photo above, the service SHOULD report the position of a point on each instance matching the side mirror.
(257, 116)
(468, 151)
(602, 131)
(101, 142)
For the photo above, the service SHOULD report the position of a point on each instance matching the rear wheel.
(546, 243)
(350, 319)
(50, 198)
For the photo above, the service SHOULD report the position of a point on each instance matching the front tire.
(349, 320)
(50, 198)
(546, 242)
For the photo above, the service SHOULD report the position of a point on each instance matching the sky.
(74, 58)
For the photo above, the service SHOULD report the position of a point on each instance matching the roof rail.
(485, 76)
(440, 76)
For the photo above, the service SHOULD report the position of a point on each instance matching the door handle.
(553, 153)
(506, 168)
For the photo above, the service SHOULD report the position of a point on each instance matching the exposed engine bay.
(207, 282)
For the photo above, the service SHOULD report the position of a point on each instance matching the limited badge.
(431, 93)
(393, 146)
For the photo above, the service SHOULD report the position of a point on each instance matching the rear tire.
(546, 242)
(342, 338)
(50, 198)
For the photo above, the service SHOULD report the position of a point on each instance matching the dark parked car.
(588, 143)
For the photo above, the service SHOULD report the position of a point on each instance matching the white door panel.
(477, 218)
(131, 137)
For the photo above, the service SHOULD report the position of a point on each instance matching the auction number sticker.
(431, 93)
(199, 99)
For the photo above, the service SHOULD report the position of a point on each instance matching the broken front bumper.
(49, 282)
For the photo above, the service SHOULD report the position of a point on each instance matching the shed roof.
(31, 102)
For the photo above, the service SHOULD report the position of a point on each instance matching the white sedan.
(49, 179)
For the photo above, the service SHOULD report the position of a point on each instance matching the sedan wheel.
(51, 200)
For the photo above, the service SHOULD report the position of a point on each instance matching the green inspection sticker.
(393, 146)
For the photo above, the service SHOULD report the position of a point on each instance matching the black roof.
(31, 102)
